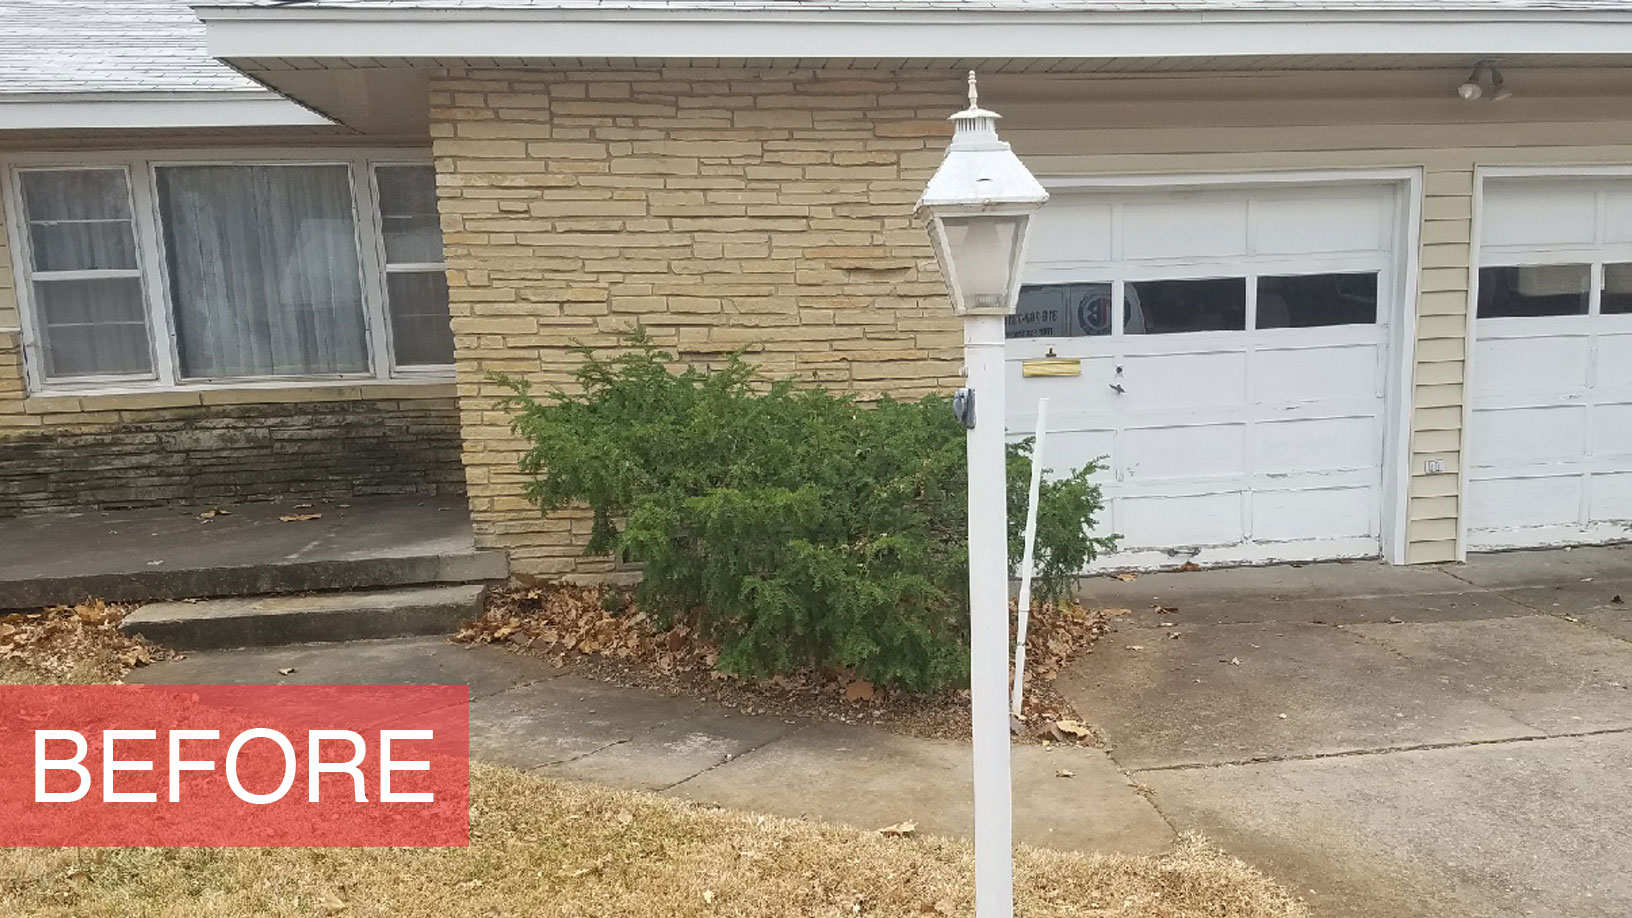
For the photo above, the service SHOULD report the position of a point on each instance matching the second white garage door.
(1550, 441)
(1240, 394)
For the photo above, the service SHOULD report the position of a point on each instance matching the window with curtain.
(416, 283)
(89, 312)
(264, 272)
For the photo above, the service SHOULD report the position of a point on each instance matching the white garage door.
(1550, 440)
(1240, 394)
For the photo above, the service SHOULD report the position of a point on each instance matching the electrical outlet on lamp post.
(979, 205)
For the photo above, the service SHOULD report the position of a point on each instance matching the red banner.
(220, 765)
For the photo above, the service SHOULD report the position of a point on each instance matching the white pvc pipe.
(1028, 557)
(989, 614)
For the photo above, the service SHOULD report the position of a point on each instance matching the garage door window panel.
(1163, 307)
(1616, 297)
(1062, 311)
(1317, 300)
(1533, 291)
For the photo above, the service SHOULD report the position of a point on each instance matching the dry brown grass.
(542, 847)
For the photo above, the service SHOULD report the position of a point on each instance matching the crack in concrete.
(582, 755)
(735, 758)
(1381, 750)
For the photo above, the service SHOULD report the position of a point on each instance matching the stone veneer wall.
(721, 209)
(189, 446)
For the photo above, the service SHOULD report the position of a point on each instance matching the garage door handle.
(1119, 389)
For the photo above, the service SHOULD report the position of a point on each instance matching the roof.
(109, 46)
(67, 64)
(1110, 6)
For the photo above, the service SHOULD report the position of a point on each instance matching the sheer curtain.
(264, 271)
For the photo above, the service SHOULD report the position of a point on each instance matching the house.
(1341, 279)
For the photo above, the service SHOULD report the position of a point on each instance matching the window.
(179, 272)
(264, 273)
(1061, 311)
(1169, 306)
(1617, 292)
(416, 282)
(1534, 290)
(89, 312)
(1314, 300)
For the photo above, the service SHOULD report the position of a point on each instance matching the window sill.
(67, 402)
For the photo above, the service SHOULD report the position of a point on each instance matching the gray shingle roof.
(108, 46)
(1471, 6)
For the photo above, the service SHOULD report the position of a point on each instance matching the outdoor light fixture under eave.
(979, 204)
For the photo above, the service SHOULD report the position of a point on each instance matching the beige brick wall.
(767, 209)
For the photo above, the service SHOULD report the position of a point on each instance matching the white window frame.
(387, 268)
(141, 172)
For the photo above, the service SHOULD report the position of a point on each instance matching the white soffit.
(138, 111)
(412, 34)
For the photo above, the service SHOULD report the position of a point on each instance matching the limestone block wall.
(721, 209)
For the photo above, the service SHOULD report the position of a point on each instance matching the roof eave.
(48, 111)
(419, 35)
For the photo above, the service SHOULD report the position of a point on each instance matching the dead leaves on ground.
(899, 830)
(74, 642)
(299, 517)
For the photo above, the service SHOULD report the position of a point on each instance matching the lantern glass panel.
(983, 250)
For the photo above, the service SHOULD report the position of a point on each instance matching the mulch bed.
(599, 633)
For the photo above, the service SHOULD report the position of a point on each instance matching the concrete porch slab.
(172, 553)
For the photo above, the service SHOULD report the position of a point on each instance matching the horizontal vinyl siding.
(1441, 364)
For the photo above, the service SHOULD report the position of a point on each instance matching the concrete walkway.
(1453, 742)
(527, 714)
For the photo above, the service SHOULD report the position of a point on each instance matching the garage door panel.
(1315, 374)
(1071, 229)
(1512, 437)
(1184, 452)
(1615, 363)
(1206, 419)
(1526, 366)
(1550, 441)
(1167, 521)
(1186, 226)
(1317, 445)
(1068, 450)
(1348, 223)
(1288, 516)
(1509, 503)
(1176, 382)
(1618, 215)
(1539, 213)
(1612, 433)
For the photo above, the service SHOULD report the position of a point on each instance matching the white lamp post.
(979, 205)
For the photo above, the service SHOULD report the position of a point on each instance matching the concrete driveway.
(1449, 741)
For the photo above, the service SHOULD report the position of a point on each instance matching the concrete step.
(262, 621)
(297, 576)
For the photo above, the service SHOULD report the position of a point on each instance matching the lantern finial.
(972, 94)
